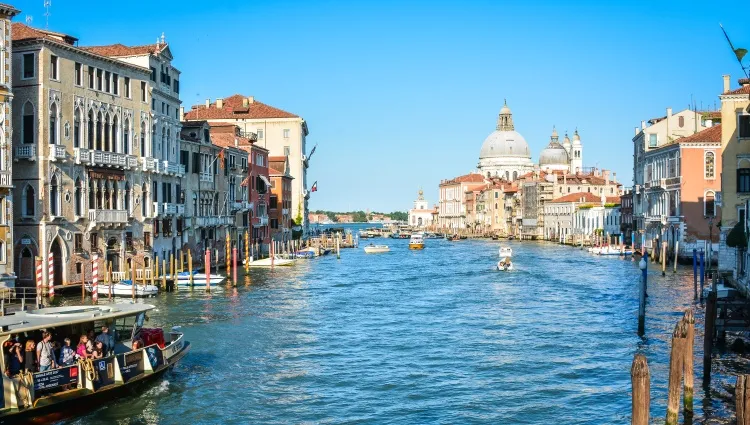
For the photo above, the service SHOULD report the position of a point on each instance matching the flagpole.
(731, 46)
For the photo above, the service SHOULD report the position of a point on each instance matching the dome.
(504, 143)
(553, 154)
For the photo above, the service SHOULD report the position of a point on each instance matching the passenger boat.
(416, 241)
(505, 251)
(124, 288)
(505, 265)
(376, 249)
(614, 250)
(266, 262)
(49, 396)
(304, 254)
(199, 279)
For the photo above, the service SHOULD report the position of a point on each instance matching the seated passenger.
(98, 350)
(81, 350)
(67, 355)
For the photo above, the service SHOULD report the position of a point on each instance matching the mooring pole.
(676, 361)
(689, 320)
(641, 380)
(695, 273)
(708, 337)
(703, 272)
(642, 295)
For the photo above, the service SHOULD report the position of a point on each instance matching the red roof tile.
(233, 107)
(119, 50)
(276, 159)
(711, 134)
(24, 32)
(586, 197)
(744, 87)
(228, 140)
(466, 178)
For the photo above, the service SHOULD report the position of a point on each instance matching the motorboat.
(416, 241)
(55, 394)
(271, 262)
(614, 250)
(123, 288)
(505, 265)
(376, 249)
(199, 279)
(304, 254)
(505, 251)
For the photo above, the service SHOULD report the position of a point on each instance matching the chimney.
(236, 142)
(669, 113)
(643, 125)
(219, 103)
(726, 83)
(637, 130)
(614, 177)
(244, 102)
(208, 103)
(251, 100)
(182, 113)
(606, 175)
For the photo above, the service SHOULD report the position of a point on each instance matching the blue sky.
(400, 95)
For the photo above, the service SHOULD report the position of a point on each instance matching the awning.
(265, 180)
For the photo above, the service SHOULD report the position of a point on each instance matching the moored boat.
(270, 262)
(80, 387)
(505, 264)
(376, 249)
(124, 288)
(199, 279)
(416, 241)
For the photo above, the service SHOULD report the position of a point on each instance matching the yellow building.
(735, 174)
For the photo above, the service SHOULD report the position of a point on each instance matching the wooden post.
(695, 274)
(742, 399)
(83, 281)
(676, 361)
(641, 381)
(708, 337)
(702, 265)
(207, 270)
(247, 248)
(234, 268)
(132, 281)
(227, 254)
(164, 273)
(643, 284)
(663, 259)
(338, 250)
(153, 272)
(156, 266)
(110, 284)
(171, 266)
(689, 320)
(676, 251)
(190, 267)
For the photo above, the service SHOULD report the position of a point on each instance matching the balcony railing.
(6, 178)
(57, 152)
(149, 165)
(154, 209)
(168, 208)
(108, 217)
(109, 159)
(262, 221)
(207, 177)
(173, 168)
(180, 209)
(26, 152)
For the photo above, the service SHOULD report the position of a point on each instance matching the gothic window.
(107, 129)
(515, 175)
(54, 197)
(709, 204)
(91, 135)
(27, 131)
(115, 134)
(115, 197)
(144, 200)
(28, 201)
(92, 194)
(77, 128)
(53, 124)
(710, 162)
(127, 197)
(126, 137)
(99, 122)
(79, 197)
(143, 139)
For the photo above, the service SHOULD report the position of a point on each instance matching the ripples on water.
(433, 336)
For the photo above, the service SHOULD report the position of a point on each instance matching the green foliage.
(299, 219)
(736, 237)
(611, 205)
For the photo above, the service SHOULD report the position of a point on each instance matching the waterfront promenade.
(435, 336)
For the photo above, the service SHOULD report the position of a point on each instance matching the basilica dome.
(554, 154)
(505, 141)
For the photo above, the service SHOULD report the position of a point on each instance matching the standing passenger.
(45, 354)
(29, 363)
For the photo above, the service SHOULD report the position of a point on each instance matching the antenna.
(47, 6)
(29, 19)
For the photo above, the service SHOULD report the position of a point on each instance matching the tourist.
(45, 354)
(16, 360)
(107, 340)
(90, 342)
(67, 355)
(29, 363)
(81, 350)
(98, 350)
(137, 344)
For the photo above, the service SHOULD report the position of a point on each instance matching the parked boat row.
(611, 250)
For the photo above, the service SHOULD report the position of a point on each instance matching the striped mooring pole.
(38, 281)
(95, 279)
(51, 277)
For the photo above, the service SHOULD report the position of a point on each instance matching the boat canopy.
(53, 317)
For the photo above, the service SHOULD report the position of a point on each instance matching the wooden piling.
(164, 273)
(676, 251)
(207, 270)
(234, 269)
(688, 375)
(742, 399)
(190, 267)
(156, 269)
(708, 337)
(247, 257)
(641, 381)
(171, 265)
(132, 281)
(663, 259)
(83, 281)
(153, 272)
(642, 299)
(110, 284)
(172, 272)
(676, 362)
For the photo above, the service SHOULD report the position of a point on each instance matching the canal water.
(411, 337)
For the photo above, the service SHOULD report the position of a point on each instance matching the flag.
(314, 187)
(220, 158)
(740, 53)
(246, 182)
(312, 152)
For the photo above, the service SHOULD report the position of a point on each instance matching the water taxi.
(270, 262)
(505, 265)
(376, 249)
(83, 386)
(124, 288)
(416, 241)
(199, 279)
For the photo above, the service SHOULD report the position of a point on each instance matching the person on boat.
(67, 355)
(81, 350)
(98, 350)
(29, 358)
(107, 339)
(137, 344)
(15, 363)
(90, 337)
(45, 353)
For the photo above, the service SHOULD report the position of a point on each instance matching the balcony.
(57, 152)
(107, 159)
(285, 211)
(172, 168)
(168, 208)
(149, 165)
(26, 152)
(262, 221)
(108, 217)
(207, 177)
(6, 178)
(212, 221)
(180, 209)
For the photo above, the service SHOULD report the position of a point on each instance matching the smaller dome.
(554, 154)
(576, 138)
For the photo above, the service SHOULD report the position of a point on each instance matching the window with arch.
(710, 161)
(92, 194)
(28, 201)
(709, 204)
(90, 133)
(79, 198)
(743, 179)
(77, 128)
(27, 130)
(115, 135)
(107, 133)
(54, 197)
(126, 137)
(127, 197)
(681, 122)
(143, 139)
(99, 123)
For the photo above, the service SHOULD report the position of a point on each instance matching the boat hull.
(376, 249)
(416, 246)
(121, 290)
(199, 279)
(266, 262)
(504, 267)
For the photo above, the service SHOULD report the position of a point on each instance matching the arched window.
(126, 137)
(515, 175)
(127, 197)
(54, 197)
(27, 131)
(90, 133)
(163, 144)
(28, 201)
(115, 197)
(115, 135)
(709, 204)
(507, 175)
(107, 132)
(104, 191)
(710, 161)
(77, 128)
(144, 200)
(53, 124)
(99, 123)
(681, 122)
(143, 139)
(79, 197)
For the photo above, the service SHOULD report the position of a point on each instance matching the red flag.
(314, 187)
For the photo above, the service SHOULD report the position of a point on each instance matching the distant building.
(451, 204)
(626, 217)
(421, 215)
(344, 218)
(280, 205)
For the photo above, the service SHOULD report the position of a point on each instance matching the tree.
(398, 216)
(736, 237)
